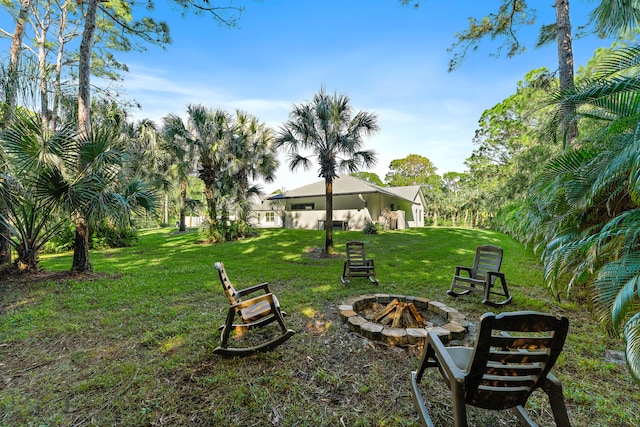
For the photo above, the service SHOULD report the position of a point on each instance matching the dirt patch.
(54, 276)
(318, 253)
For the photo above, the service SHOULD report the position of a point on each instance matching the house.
(355, 202)
(266, 213)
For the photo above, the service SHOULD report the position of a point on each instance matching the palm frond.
(625, 60)
(614, 289)
(632, 338)
(615, 17)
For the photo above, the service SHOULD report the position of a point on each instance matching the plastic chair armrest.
(460, 269)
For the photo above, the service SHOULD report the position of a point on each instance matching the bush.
(370, 228)
(106, 236)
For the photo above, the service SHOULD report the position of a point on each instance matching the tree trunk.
(11, 91)
(565, 66)
(183, 197)
(81, 261)
(81, 244)
(5, 247)
(84, 71)
(328, 223)
(57, 92)
(42, 70)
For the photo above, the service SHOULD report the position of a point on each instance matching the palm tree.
(35, 156)
(206, 132)
(584, 209)
(249, 155)
(325, 126)
(181, 149)
(45, 181)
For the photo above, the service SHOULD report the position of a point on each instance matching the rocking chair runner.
(357, 264)
(482, 277)
(253, 312)
(512, 357)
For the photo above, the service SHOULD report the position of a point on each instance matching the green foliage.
(107, 235)
(411, 170)
(501, 25)
(371, 228)
(369, 177)
(583, 209)
(229, 151)
(32, 209)
(61, 242)
(52, 176)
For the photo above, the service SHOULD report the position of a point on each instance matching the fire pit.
(402, 320)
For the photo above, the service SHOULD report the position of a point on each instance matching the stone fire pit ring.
(349, 310)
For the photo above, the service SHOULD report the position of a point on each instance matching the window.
(269, 216)
(302, 207)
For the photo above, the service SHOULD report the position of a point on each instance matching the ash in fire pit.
(402, 320)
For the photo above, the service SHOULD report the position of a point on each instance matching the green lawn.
(132, 345)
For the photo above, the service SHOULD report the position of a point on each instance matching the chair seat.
(256, 311)
(461, 356)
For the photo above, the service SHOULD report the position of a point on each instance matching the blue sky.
(389, 59)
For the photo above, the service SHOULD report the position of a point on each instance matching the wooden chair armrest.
(253, 301)
(251, 289)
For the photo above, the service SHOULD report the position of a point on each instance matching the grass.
(133, 345)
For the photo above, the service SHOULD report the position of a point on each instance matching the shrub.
(370, 228)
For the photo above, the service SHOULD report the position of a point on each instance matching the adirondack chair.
(482, 277)
(253, 312)
(512, 357)
(357, 264)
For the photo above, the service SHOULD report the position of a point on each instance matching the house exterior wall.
(354, 209)
(265, 219)
(310, 212)
(353, 219)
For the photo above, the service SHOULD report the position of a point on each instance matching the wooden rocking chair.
(253, 312)
(512, 357)
(357, 264)
(482, 277)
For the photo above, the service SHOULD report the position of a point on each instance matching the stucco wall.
(313, 220)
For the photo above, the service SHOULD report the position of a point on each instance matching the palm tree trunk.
(565, 65)
(81, 261)
(328, 223)
(183, 198)
(81, 244)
